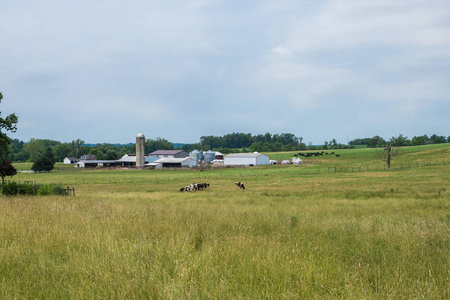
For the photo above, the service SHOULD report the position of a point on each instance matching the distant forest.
(20, 151)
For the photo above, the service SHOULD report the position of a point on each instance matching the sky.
(104, 71)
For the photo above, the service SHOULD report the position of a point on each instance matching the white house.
(70, 160)
(246, 159)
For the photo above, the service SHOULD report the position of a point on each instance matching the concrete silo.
(140, 151)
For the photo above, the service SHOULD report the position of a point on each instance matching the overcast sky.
(105, 70)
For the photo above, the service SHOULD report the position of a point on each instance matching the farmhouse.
(246, 159)
(170, 154)
(70, 160)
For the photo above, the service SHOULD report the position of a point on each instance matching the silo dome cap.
(140, 135)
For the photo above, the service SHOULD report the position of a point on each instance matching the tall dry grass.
(365, 235)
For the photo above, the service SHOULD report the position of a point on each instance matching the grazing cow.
(195, 187)
(240, 185)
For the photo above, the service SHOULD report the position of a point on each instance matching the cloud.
(249, 66)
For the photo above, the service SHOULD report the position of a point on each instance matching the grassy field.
(306, 231)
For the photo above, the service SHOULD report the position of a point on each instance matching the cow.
(240, 185)
(195, 187)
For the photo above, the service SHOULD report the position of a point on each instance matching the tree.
(45, 163)
(376, 142)
(6, 169)
(400, 141)
(387, 153)
(8, 124)
(76, 144)
(34, 148)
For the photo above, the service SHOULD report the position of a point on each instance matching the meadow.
(332, 228)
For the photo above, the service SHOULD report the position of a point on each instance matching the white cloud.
(318, 59)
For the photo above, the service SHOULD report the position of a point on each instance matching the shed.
(246, 159)
(95, 163)
(168, 162)
(70, 160)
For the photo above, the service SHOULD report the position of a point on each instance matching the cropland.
(331, 228)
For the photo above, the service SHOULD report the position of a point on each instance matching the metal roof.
(132, 158)
(245, 155)
(166, 152)
(96, 161)
(172, 160)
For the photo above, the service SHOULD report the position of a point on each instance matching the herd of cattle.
(203, 185)
(309, 154)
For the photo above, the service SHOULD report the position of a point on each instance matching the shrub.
(9, 189)
(46, 189)
(12, 188)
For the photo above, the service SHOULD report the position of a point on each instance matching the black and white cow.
(195, 187)
(240, 185)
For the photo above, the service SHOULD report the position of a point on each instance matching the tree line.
(401, 140)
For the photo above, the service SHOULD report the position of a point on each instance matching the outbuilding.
(129, 160)
(70, 160)
(95, 163)
(246, 159)
(184, 162)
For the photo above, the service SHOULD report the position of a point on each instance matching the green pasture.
(295, 232)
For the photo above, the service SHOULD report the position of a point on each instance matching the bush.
(9, 189)
(12, 188)
(46, 189)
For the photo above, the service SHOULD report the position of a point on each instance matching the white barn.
(70, 160)
(246, 159)
(168, 162)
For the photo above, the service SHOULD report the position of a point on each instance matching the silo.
(210, 156)
(140, 151)
(195, 155)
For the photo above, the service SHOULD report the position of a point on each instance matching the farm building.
(246, 159)
(168, 162)
(70, 160)
(88, 157)
(95, 163)
(170, 153)
(129, 160)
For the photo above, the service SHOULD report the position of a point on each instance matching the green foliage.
(13, 188)
(47, 189)
(45, 163)
(6, 124)
(157, 144)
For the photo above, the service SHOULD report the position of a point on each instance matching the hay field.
(295, 232)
